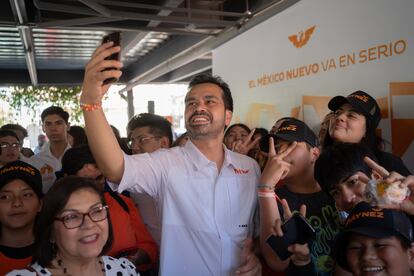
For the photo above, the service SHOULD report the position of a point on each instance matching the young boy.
(20, 201)
(376, 242)
(292, 159)
(341, 171)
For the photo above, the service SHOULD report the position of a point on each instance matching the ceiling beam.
(19, 11)
(123, 15)
(46, 77)
(154, 66)
(96, 7)
(190, 69)
(171, 9)
(76, 22)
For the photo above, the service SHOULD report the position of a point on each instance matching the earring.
(53, 247)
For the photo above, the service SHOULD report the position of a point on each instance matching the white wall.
(379, 29)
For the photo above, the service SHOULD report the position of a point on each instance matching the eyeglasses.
(76, 219)
(7, 145)
(141, 140)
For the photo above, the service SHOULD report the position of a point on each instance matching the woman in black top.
(356, 119)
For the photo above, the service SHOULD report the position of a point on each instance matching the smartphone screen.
(116, 39)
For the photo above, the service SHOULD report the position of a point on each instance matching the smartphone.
(295, 230)
(116, 39)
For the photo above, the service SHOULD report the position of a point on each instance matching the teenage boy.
(341, 172)
(147, 133)
(55, 124)
(376, 241)
(292, 156)
(205, 193)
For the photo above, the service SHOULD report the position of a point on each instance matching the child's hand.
(276, 168)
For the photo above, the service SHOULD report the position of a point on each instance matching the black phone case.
(295, 230)
(116, 39)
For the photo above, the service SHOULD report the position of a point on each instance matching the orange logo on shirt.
(301, 39)
(240, 171)
(46, 169)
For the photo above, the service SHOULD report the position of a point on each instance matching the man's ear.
(229, 116)
(165, 142)
(315, 152)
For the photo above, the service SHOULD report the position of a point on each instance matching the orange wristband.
(90, 107)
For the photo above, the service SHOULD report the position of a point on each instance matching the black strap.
(119, 200)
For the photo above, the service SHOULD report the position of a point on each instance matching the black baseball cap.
(292, 130)
(75, 158)
(373, 222)
(24, 171)
(362, 102)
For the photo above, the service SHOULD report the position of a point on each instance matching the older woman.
(74, 232)
(356, 119)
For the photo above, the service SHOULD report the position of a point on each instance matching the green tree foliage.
(33, 97)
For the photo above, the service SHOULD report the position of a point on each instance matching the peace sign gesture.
(395, 179)
(276, 168)
(244, 146)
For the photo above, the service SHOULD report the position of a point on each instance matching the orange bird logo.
(300, 40)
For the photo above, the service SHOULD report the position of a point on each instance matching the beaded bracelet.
(90, 107)
(264, 186)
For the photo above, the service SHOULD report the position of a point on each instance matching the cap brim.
(337, 102)
(288, 137)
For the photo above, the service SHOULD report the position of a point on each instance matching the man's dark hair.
(243, 126)
(7, 132)
(74, 159)
(207, 78)
(260, 130)
(55, 110)
(340, 161)
(79, 136)
(53, 203)
(157, 124)
(14, 127)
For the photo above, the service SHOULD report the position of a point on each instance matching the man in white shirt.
(206, 194)
(49, 160)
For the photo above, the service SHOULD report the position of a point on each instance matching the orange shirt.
(129, 231)
(14, 258)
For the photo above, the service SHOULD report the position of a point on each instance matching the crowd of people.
(89, 202)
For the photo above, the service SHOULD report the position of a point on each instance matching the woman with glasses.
(74, 232)
(9, 147)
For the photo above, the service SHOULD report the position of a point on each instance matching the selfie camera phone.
(295, 230)
(116, 39)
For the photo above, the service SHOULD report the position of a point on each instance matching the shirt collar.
(199, 160)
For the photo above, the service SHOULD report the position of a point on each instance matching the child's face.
(373, 256)
(300, 158)
(350, 191)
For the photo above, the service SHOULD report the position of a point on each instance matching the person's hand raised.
(93, 88)
(276, 168)
(244, 146)
(300, 252)
(395, 178)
